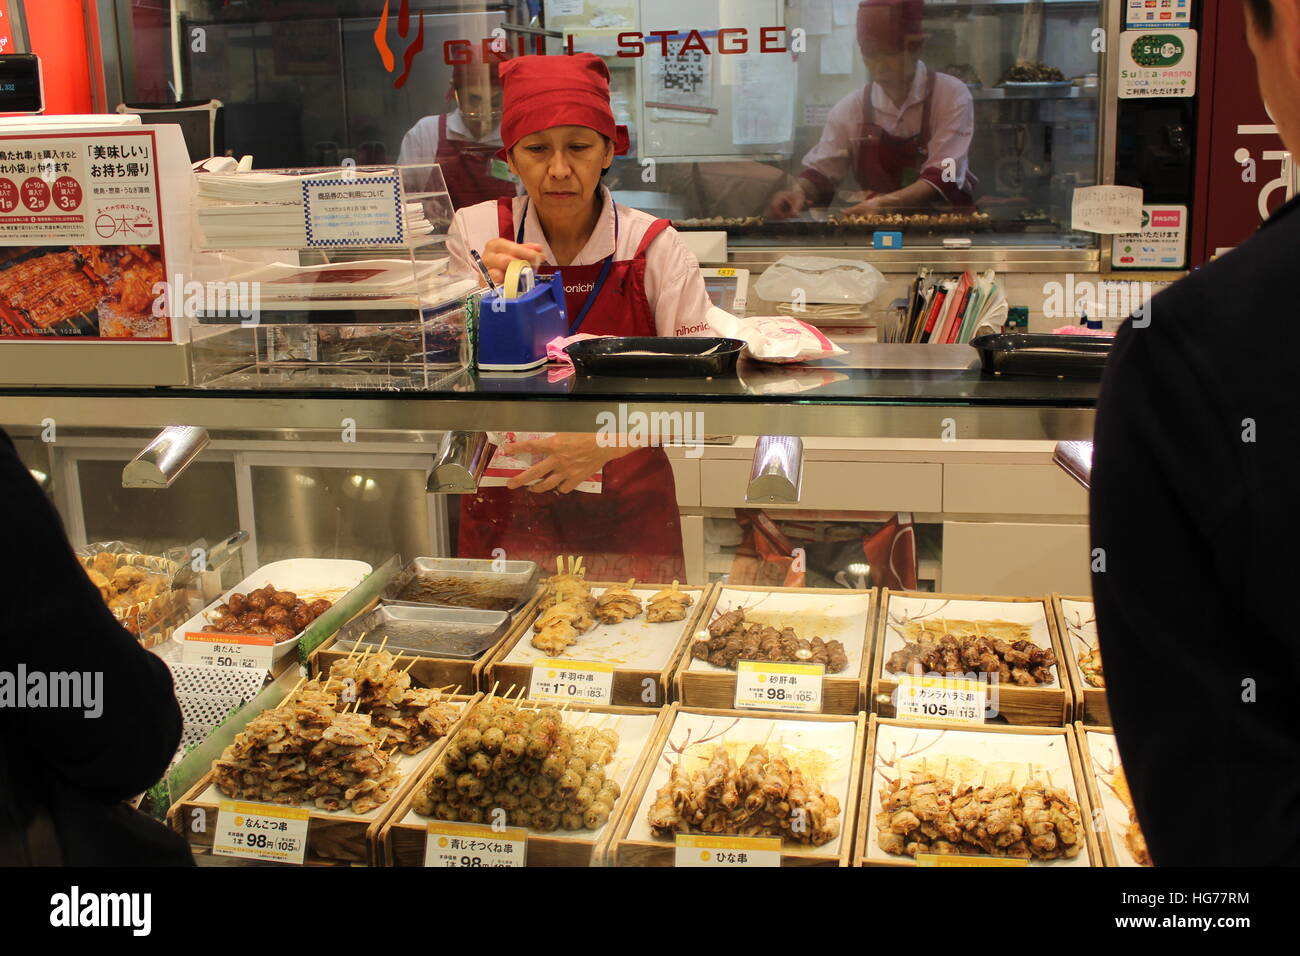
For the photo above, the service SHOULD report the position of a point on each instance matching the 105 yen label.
(766, 685)
(953, 699)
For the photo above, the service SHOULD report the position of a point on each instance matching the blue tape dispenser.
(516, 320)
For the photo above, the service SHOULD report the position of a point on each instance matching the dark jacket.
(1195, 498)
(54, 620)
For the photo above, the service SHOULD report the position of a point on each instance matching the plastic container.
(485, 585)
(656, 356)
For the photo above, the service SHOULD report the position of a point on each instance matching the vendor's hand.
(787, 204)
(499, 253)
(570, 460)
(878, 205)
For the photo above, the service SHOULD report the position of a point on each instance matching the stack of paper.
(954, 309)
(278, 225)
(356, 284)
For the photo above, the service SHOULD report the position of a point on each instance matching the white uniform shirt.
(673, 281)
(952, 124)
(420, 144)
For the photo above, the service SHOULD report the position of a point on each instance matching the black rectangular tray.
(683, 356)
(1032, 353)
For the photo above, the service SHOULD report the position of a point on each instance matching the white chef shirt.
(952, 125)
(673, 281)
(420, 144)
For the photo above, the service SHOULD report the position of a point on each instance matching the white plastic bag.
(806, 279)
(774, 338)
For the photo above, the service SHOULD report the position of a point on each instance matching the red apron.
(885, 162)
(467, 169)
(632, 528)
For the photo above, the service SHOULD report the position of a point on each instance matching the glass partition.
(822, 121)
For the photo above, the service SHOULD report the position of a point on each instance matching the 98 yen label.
(765, 685)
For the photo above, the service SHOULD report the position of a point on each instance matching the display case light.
(461, 460)
(166, 457)
(1075, 459)
(776, 475)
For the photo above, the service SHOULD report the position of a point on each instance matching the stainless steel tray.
(454, 633)
(511, 585)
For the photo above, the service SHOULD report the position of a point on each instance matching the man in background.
(1194, 521)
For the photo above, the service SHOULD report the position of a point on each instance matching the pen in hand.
(478, 261)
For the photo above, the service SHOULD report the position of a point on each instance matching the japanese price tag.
(472, 844)
(727, 851)
(956, 700)
(228, 650)
(953, 859)
(258, 831)
(586, 682)
(765, 685)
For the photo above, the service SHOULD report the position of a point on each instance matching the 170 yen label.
(764, 685)
(470, 844)
(953, 699)
(585, 682)
(727, 851)
(257, 831)
(228, 650)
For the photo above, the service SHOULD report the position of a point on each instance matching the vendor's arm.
(497, 253)
(827, 164)
(675, 287)
(570, 460)
(952, 126)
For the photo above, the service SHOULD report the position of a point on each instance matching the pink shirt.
(952, 124)
(673, 281)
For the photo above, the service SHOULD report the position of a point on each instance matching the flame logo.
(403, 29)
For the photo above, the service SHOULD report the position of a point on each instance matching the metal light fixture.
(462, 458)
(776, 476)
(164, 458)
(1075, 459)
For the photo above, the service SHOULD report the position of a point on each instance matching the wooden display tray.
(1091, 705)
(1106, 835)
(840, 694)
(426, 671)
(332, 837)
(866, 826)
(625, 851)
(1041, 706)
(629, 682)
(402, 843)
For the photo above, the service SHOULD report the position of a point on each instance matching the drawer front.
(835, 485)
(1022, 559)
(686, 475)
(1011, 490)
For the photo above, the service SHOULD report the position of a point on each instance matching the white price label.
(956, 700)
(584, 682)
(257, 831)
(765, 685)
(727, 851)
(471, 844)
(211, 649)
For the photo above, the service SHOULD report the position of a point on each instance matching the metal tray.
(1028, 353)
(453, 633)
(512, 582)
(684, 357)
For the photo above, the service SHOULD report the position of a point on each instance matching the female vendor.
(624, 273)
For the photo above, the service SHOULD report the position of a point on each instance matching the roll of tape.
(513, 273)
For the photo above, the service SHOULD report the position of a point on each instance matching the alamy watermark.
(1113, 299)
(211, 300)
(626, 429)
(57, 690)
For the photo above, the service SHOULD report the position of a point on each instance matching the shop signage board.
(1157, 62)
(86, 237)
(1161, 243)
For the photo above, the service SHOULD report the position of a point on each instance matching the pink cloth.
(1080, 330)
(555, 348)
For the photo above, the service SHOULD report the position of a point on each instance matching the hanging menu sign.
(81, 237)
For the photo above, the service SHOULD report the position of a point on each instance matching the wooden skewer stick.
(382, 644)
(455, 691)
(506, 695)
(357, 644)
(493, 692)
(289, 696)
(407, 668)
